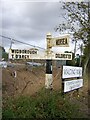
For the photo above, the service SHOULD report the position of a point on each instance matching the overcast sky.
(30, 22)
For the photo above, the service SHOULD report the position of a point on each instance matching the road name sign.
(71, 71)
(72, 85)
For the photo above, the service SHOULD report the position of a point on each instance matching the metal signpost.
(48, 55)
(54, 42)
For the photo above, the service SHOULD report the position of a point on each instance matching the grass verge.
(45, 104)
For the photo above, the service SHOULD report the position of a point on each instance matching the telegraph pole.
(49, 79)
(81, 50)
(10, 47)
(75, 48)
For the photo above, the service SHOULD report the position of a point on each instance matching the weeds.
(45, 104)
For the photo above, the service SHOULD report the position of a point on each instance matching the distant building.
(22, 54)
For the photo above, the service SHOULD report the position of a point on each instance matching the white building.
(22, 54)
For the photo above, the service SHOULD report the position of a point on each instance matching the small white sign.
(72, 85)
(70, 71)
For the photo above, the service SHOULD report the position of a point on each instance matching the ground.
(30, 80)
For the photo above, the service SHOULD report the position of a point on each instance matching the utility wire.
(21, 42)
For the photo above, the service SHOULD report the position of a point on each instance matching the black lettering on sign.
(69, 56)
(62, 41)
(72, 72)
(33, 52)
(63, 56)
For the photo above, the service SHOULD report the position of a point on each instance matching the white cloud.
(30, 21)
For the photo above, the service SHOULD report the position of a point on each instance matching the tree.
(3, 53)
(78, 21)
(72, 62)
(2, 49)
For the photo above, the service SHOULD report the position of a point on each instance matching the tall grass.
(45, 104)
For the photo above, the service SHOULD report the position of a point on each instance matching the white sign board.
(70, 71)
(62, 41)
(39, 55)
(72, 85)
(54, 56)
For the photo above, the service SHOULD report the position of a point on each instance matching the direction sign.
(34, 54)
(62, 41)
(63, 56)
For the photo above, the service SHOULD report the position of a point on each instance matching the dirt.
(28, 81)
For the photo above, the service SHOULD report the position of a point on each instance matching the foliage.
(2, 49)
(78, 22)
(4, 54)
(74, 61)
(46, 104)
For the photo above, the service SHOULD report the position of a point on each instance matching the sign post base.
(48, 81)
